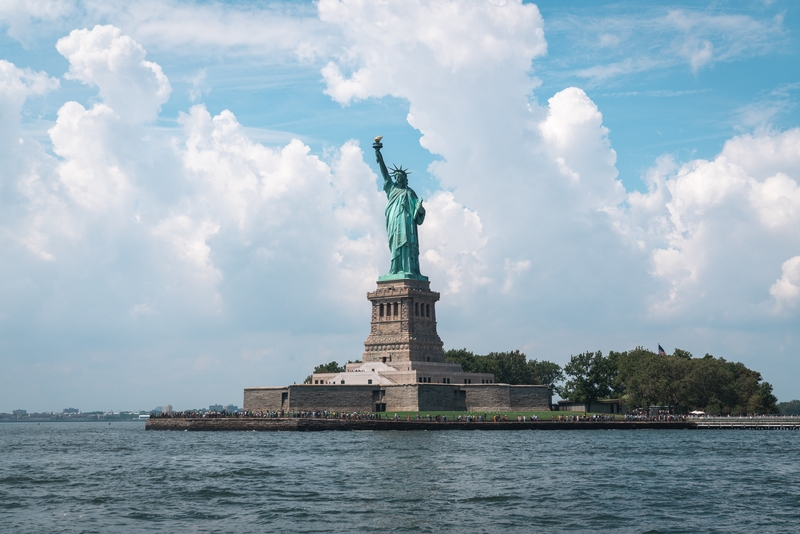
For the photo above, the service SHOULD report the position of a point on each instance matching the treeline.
(640, 377)
(790, 408)
(508, 367)
(680, 381)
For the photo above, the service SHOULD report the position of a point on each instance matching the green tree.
(790, 408)
(649, 379)
(332, 367)
(634, 375)
(511, 367)
(464, 357)
(590, 376)
(508, 367)
(768, 403)
(545, 373)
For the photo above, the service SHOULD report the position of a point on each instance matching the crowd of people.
(584, 417)
(661, 417)
(467, 418)
(275, 414)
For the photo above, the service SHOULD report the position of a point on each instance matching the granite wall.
(529, 398)
(399, 398)
(402, 398)
(338, 398)
(443, 397)
(266, 399)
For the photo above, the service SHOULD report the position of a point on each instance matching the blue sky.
(190, 205)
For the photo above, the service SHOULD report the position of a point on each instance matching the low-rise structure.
(398, 398)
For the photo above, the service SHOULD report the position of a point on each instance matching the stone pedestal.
(403, 324)
(403, 346)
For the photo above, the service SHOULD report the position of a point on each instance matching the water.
(94, 477)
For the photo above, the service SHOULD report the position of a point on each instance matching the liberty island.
(403, 365)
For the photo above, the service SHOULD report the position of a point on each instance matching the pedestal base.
(403, 326)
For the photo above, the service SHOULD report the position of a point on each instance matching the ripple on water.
(75, 477)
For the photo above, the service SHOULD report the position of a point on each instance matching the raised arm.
(384, 171)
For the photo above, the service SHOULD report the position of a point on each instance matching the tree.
(332, 367)
(790, 408)
(706, 385)
(590, 376)
(641, 375)
(508, 367)
(685, 383)
(545, 373)
(683, 354)
(464, 357)
(511, 367)
(768, 402)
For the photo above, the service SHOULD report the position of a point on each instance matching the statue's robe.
(403, 214)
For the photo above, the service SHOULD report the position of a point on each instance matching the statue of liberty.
(404, 212)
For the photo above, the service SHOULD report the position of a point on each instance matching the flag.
(661, 351)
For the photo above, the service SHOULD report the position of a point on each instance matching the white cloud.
(786, 290)
(202, 234)
(17, 85)
(132, 86)
(452, 242)
(726, 222)
(762, 112)
(656, 38)
(699, 54)
(524, 176)
(199, 87)
(23, 161)
(575, 134)
(266, 31)
(90, 171)
(21, 15)
(270, 30)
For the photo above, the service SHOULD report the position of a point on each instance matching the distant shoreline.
(72, 420)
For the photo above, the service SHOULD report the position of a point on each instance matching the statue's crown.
(400, 170)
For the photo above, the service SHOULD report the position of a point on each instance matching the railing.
(747, 422)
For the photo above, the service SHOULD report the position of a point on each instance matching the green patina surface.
(404, 213)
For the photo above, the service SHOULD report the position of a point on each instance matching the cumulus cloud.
(786, 290)
(22, 16)
(453, 243)
(200, 232)
(17, 85)
(716, 228)
(129, 84)
(576, 136)
(23, 161)
(89, 170)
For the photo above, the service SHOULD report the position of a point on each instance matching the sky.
(189, 202)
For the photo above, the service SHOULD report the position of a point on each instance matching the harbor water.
(96, 477)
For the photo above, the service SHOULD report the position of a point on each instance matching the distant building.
(215, 408)
(71, 410)
(231, 408)
(20, 412)
(167, 408)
